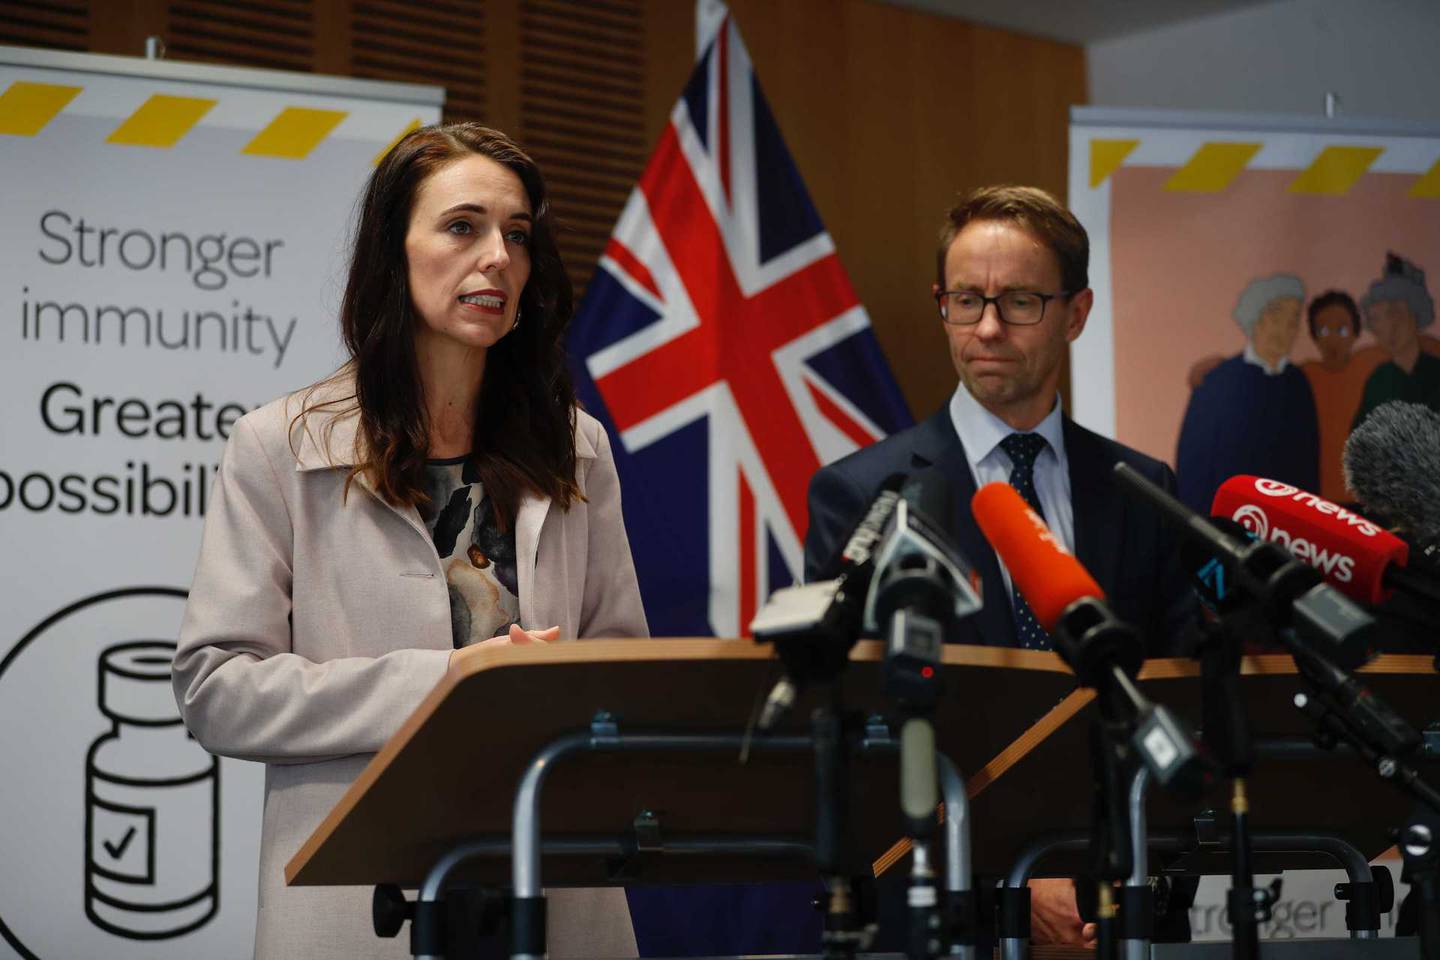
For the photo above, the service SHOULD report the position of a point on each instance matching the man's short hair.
(1259, 294)
(1333, 298)
(1037, 213)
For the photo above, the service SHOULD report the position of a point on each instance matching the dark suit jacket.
(1124, 544)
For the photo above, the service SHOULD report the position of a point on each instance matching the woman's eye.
(459, 227)
(518, 237)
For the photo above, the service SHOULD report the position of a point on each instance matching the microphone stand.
(1343, 710)
(1105, 654)
(912, 677)
(1227, 734)
(813, 631)
(1110, 854)
(1420, 846)
(831, 727)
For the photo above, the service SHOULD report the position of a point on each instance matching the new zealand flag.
(722, 345)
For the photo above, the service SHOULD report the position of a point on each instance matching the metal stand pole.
(528, 942)
(1137, 901)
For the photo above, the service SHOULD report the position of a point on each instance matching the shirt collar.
(980, 431)
(1252, 357)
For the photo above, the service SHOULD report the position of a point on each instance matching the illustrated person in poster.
(1397, 307)
(1337, 380)
(1254, 413)
(438, 495)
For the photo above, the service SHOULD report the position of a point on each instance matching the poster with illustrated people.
(1262, 284)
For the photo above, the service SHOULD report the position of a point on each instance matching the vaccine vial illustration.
(152, 805)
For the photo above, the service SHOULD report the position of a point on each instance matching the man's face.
(1275, 332)
(1393, 325)
(1010, 369)
(1334, 335)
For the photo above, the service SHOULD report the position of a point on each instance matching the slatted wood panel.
(45, 23)
(440, 42)
(252, 33)
(582, 98)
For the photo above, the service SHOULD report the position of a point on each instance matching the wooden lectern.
(1010, 720)
(450, 773)
(1041, 781)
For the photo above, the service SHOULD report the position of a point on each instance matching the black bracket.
(641, 838)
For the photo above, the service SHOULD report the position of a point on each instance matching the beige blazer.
(316, 624)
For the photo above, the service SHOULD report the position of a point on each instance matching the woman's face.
(1334, 334)
(1275, 333)
(1393, 325)
(468, 252)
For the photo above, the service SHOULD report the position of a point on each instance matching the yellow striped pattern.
(1428, 186)
(1211, 168)
(1335, 171)
(294, 133)
(161, 121)
(25, 108)
(1106, 156)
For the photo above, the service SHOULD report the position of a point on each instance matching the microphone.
(814, 625)
(1392, 462)
(1353, 554)
(1065, 599)
(1104, 651)
(922, 587)
(1291, 593)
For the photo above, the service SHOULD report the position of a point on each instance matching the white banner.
(1193, 215)
(174, 240)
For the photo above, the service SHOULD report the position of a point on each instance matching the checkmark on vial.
(117, 850)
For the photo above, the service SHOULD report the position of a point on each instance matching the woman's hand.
(520, 637)
(517, 637)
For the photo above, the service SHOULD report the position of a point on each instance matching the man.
(1255, 412)
(1397, 307)
(1013, 291)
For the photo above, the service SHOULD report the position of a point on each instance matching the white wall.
(1381, 56)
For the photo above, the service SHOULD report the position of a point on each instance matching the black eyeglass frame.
(985, 301)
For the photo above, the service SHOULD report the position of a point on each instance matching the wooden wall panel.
(279, 34)
(889, 113)
(438, 43)
(58, 25)
(582, 115)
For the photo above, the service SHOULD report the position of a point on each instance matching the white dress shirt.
(980, 432)
(1253, 356)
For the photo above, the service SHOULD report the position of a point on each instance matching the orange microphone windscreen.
(1048, 577)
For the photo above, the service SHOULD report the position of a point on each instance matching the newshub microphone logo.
(1274, 488)
(1334, 564)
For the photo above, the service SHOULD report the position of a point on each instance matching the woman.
(1253, 413)
(440, 492)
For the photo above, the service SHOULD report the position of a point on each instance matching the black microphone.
(1392, 462)
(814, 625)
(1292, 593)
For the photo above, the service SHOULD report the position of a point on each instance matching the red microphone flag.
(1352, 552)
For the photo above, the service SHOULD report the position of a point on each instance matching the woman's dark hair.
(1332, 298)
(524, 430)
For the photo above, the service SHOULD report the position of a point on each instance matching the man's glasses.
(1019, 308)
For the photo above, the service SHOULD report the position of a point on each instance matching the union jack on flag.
(722, 345)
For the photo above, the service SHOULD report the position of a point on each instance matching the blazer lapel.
(938, 446)
(1099, 511)
(529, 520)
